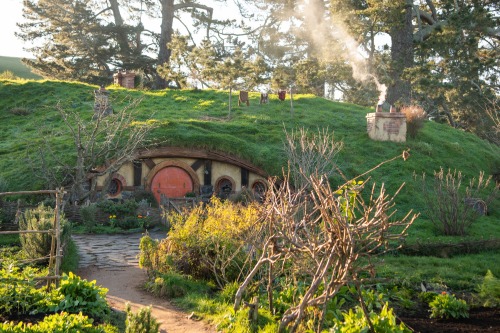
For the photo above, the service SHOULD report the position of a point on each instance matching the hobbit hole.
(179, 172)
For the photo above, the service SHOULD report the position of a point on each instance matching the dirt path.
(111, 261)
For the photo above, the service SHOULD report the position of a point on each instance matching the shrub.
(128, 222)
(142, 322)
(355, 321)
(127, 208)
(148, 253)
(37, 245)
(89, 217)
(145, 196)
(174, 285)
(8, 75)
(415, 117)
(447, 306)
(447, 202)
(489, 290)
(228, 292)
(212, 242)
(81, 295)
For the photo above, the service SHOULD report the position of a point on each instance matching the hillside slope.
(198, 118)
(17, 67)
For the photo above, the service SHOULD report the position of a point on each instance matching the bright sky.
(10, 14)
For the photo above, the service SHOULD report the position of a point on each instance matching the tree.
(74, 47)
(85, 39)
(456, 74)
(101, 146)
(442, 53)
(222, 69)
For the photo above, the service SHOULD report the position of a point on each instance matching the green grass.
(200, 118)
(10, 240)
(462, 273)
(17, 67)
(71, 258)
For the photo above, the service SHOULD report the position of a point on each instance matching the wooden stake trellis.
(55, 248)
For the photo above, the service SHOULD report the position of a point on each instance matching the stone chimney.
(386, 126)
(124, 79)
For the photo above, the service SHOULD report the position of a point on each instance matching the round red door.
(173, 182)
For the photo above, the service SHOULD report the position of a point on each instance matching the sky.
(10, 14)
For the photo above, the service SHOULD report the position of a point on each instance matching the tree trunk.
(121, 33)
(167, 21)
(402, 57)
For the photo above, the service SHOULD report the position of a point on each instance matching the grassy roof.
(198, 118)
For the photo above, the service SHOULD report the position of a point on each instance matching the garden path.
(112, 261)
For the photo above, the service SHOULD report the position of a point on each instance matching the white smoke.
(333, 26)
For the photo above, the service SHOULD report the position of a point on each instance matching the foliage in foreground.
(59, 323)
(209, 242)
(19, 293)
(141, 322)
(446, 305)
(356, 321)
(489, 290)
(318, 238)
(81, 295)
(21, 296)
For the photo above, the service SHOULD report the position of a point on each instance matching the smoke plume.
(321, 26)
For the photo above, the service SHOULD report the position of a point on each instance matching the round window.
(115, 187)
(259, 188)
(224, 187)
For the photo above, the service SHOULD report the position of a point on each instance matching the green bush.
(355, 322)
(145, 196)
(127, 208)
(83, 296)
(37, 245)
(59, 323)
(148, 253)
(174, 285)
(489, 290)
(89, 217)
(447, 306)
(128, 222)
(142, 322)
(211, 242)
(228, 292)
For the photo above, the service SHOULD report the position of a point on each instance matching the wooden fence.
(55, 254)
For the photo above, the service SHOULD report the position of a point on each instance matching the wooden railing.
(55, 254)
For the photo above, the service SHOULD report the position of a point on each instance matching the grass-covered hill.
(16, 66)
(198, 118)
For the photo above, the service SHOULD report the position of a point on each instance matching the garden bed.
(480, 320)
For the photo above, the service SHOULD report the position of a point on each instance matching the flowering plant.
(112, 220)
(447, 306)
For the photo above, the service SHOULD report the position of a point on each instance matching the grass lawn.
(201, 119)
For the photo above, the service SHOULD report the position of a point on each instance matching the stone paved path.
(112, 261)
(113, 252)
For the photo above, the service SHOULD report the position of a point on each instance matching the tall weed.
(448, 201)
(415, 117)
